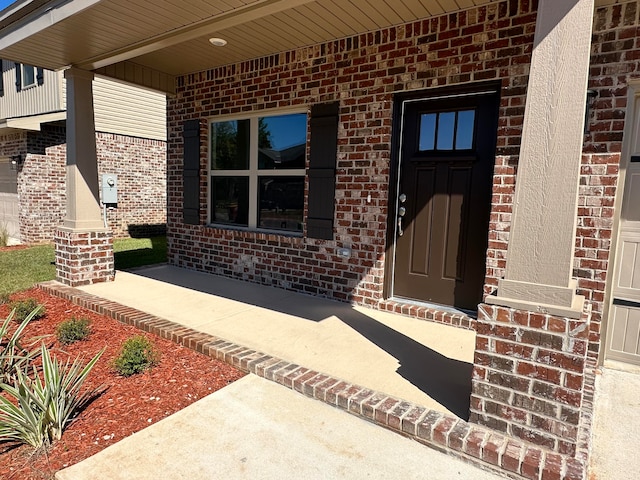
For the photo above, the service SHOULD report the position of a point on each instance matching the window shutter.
(40, 76)
(323, 151)
(191, 172)
(1, 78)
(18, 77)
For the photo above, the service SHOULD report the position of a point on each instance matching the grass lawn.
(22, 268)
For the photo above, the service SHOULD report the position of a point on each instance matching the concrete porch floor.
(422, 362)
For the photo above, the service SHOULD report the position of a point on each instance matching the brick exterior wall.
(534, 374)
(492, 42)
(139, 163)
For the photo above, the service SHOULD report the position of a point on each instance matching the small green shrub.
(73, 330)
(36, 410)
(136, 355)
(29, 306)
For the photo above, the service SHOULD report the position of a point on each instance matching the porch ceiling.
(170, 37)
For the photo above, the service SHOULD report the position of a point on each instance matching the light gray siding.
(32, 100)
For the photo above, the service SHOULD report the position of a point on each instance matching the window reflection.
(428, 131)
(230, 145)
(282, 141)
(230, 200)
(281, 203)
(464, 133)
(446, 131)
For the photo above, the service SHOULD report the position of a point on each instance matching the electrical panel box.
(109, 188)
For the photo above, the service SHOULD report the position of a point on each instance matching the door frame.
(399, 99)
(631, 136)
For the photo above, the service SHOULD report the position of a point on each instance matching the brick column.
(531, 349)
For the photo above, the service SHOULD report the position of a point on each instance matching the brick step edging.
(447, 433)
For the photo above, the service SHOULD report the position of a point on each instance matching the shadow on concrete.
(446, 380)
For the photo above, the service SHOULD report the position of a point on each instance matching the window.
(257, 168)
(28, 75)
(447, 131)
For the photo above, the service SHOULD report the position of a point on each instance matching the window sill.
(254, 232)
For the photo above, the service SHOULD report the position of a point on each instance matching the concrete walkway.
(255, 429)
(616, 426)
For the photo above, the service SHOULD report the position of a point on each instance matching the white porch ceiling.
(170, 37)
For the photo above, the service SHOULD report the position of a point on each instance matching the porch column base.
(84, 257)
(546, 299)
(529, 376)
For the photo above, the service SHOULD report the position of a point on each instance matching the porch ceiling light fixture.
(217, 42)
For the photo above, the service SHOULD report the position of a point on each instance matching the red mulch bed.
(128, 405)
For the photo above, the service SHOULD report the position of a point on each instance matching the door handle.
(401, 213)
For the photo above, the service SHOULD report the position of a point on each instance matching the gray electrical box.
(109, 188)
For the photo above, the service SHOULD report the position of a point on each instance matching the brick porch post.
(530, 359)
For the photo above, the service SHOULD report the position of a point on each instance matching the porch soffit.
(170, 37)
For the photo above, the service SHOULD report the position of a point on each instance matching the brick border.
(446, 433)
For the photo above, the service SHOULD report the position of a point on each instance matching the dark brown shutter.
(1, 78)
(40, 76)
(323, 151)
(191, 172)
(18, 77)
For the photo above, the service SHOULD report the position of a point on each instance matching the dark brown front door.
(446, 159)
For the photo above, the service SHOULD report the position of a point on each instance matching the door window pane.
(281, 203)
(464, 134)
(230, 200)
(427, 131)
(230, 145)
(446, 128)
(282, 141)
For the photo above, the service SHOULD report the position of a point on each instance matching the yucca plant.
(13, 354)
(44, 405)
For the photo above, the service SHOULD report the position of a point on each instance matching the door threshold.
(434, 306)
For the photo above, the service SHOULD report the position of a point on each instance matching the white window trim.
(253, 171)
(24, 85)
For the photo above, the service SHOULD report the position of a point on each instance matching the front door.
(445, 175)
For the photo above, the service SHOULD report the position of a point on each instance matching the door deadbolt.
(402, 198)
(402, 211)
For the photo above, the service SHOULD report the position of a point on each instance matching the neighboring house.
(447, 175)
(131, 143)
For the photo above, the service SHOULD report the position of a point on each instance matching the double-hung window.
(28, 76)
(256, 171)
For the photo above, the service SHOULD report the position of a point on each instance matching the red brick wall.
(139, 163)
(492, 42)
